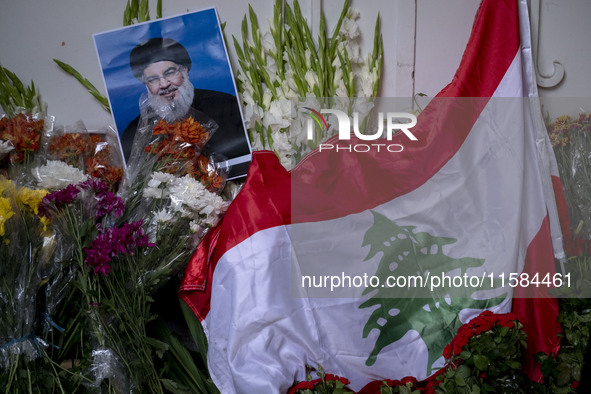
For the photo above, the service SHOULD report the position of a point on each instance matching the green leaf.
(86, 83)
(459, 381)
(462, 372)
(144, 11)
(193, 375)
(465, 354)
(513, 364)
(196, 330)
(175, 387)
(159, 10)
(481, 362)
(159, 347)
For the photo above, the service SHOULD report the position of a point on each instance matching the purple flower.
(113, 241)
(97, 185)
(56, 200)
(109, 202)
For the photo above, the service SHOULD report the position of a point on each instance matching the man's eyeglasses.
(171, 75)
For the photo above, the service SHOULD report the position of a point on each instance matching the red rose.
(447, 352)
(301, 386)
(408, 379)
(483, 375)
(330, 377)
(574, 384)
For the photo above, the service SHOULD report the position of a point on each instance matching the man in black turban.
(162, 65)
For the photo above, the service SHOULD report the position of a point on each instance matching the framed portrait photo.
(180, 62)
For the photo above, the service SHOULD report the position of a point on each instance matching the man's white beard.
(176, 109)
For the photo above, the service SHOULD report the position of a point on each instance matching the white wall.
(33, 32)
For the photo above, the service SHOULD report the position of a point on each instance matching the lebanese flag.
(470, 199)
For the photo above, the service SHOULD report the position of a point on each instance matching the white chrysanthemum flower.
(187, 192)
(195, 226)
(163, 216)
(192, 200)
(158, 185)
(56, 175)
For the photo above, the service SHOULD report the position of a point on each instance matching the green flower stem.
(335, 39)
(86, 83)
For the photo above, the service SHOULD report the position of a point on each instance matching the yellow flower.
(31, 198)
(5, 213)
(6, 187)
(45, 222)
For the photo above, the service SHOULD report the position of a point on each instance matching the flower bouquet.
(571, 139)
(26, 248)
(20, 137)
(486, 353)
(79, 154)
(287, 64)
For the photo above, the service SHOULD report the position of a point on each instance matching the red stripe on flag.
(536, 309)
(245, 216)
(333, 184)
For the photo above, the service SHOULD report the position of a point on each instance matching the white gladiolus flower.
(272, 68)
(362, 106)
(350, 29)
(366, 80)
(278, 115)
(353, 14)
(56, 174)
(290, 80)
(354, 52)
(311, 79)
(308, 57)
(287, 91)
(267, 97)
(256, 142)
(284, 149)
(252, 114)
(268, 43)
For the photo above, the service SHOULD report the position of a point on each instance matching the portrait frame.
(200, 33)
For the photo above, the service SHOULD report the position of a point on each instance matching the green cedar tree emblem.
(435, 316)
